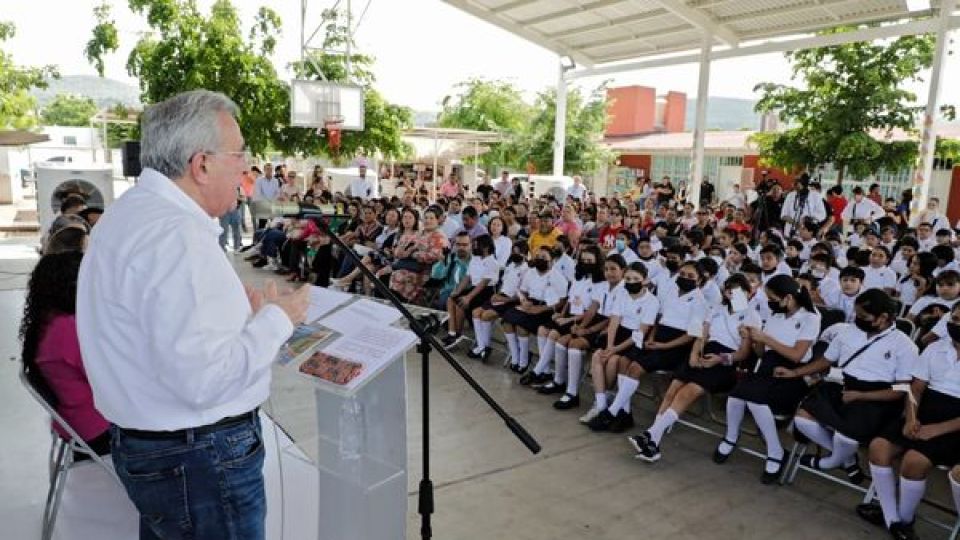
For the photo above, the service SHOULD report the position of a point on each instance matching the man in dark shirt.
(706, 191)
(484, 188)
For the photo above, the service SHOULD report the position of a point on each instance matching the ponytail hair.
(784, 285)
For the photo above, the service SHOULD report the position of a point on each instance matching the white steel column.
(699, 130)
(924, 171)
(560, 125)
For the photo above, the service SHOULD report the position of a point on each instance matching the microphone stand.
(427, 342)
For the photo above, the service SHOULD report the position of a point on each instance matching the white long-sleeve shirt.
(265, 189)
(168, 337)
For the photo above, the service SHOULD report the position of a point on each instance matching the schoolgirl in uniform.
(483, 272)
(500, 302)
(917, 279)
(540, 290)
(711, 367)
(928, 436)
(785, 341)
(858, 400)
(580, 303)
(682, 308)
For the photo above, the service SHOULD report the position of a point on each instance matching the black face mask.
(477, 252)
(516, 258)
(864, 325)
(775, 307)
(650, 258)
(672, 266)
(954, 330)
(541, 265)
(686, 284)
(584, 270)
(633, 288)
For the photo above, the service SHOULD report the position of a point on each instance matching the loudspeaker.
(131, 158)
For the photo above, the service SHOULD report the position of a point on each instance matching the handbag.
(407, 263)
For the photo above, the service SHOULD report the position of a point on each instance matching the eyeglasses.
(242, 154)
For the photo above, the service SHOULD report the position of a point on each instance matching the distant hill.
(104, 92)
(729, 114)
(425, 118)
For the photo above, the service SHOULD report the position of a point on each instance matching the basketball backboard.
(314, 103)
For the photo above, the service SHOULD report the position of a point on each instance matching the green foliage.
(17, 106)
(118, 132)
(947, 149)
(69, 110)
(105, 38)
(848, 91)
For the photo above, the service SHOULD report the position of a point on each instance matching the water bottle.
(351, 429)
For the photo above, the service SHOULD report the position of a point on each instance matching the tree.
(121, 129)
(586, 122)
(489, 105)
(69, 110)
(850, 93)
(17, 106)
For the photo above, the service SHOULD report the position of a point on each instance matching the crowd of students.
(802, 320)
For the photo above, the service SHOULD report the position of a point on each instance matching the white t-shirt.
(921, 303)
(890, 357)
(567, 266)
(634, 312)
(606, 297)
(724, 327)
(683, 311)
(548, 288)
(512, 276)
(938, 366)
(801, 326)
(879, 278)
(580, 297)
(363, 188)
(480, 269)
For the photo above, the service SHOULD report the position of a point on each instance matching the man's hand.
(294, 304)
(254, 296)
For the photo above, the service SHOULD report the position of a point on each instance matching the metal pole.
(924, 171)
(476, 162)
(699, 131)
(560, 124)
(436, 150)
(303, 23)
(349, 38)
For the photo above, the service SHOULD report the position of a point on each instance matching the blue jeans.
(205, 485)
(271, 241)
(230, 222)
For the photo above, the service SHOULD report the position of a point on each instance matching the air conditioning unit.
(56, 181)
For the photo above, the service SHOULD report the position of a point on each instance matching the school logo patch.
(888, 355)
(797, 327)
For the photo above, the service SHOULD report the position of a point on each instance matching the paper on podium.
(323, 301)
(373, 347)
(353, 318)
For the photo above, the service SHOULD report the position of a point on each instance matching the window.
(69, 140)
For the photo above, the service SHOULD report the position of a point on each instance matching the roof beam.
(519, 30)
(821, 5)
(622, 21)
(701, 20)
(512, 5)
(640, 36)
(866, 34)
(581, 8)
(826, 9)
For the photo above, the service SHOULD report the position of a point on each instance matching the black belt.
(229, 421)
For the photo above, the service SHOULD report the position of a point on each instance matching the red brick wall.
(676, 112)
(644, 162)
(783, 178)
(631, 110)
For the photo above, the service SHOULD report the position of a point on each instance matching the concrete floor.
(582, 485)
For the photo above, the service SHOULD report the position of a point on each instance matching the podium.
(355, 441)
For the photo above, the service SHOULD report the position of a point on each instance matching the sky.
(422, 49)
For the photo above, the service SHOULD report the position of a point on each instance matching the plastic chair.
(62, 457)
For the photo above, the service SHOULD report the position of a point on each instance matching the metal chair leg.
(55, 491)
(871, 491)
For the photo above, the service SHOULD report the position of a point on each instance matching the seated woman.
(51, 351)
(500, 302)
(929, 436)
(588, 281)
(872, 355)
(587, 332)
(383, 246)
(539, 292)
(785, 341)
(412, 260)
(682, 309)
(474, 290)
(712, 365)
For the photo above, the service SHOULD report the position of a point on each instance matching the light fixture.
(567, 63)
(918, 5)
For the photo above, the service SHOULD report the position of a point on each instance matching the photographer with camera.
(766, 209)
(802, 202)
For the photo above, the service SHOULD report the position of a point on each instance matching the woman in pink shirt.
(51, 351)
(451, 188)
(569, 225)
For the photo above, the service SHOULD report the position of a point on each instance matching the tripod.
(422, 328)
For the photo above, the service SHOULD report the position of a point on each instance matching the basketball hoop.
(333, 124)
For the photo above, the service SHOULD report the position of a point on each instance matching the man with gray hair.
(176, 348)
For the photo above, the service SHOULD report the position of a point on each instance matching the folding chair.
(871, 494)
(62, 457)
(906, 326)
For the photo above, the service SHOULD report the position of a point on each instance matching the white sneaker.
(274, 265)
(591, 414)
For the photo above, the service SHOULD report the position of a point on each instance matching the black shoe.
(567, 402)
(871, 513)
(450, 340)
(810, 461)
(639, 441)
(622, 422)
(601, 422)
(485, 354)
(550, 388)
(282, 270)
(649, 451)
(530, 378)
(516, 368)
(768, 478)
(902, 531)
(260, 263)
(719, 457)
(855, 474)
(474, 355)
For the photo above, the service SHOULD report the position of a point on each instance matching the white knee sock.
(600, 401)
(512, 345)
(955, 487)
(662, 424)
(559, 364)
(815, 432)
(911, 493)
(574, 364)
(844, 452)
(626, 386)
(523, 349)
(763, 416)
(735, 410)
(482, 330)
(545, 346)
(885, 484)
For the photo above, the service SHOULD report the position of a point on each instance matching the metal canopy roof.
(596, 32)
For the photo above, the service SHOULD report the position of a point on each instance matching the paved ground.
(582, 485)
